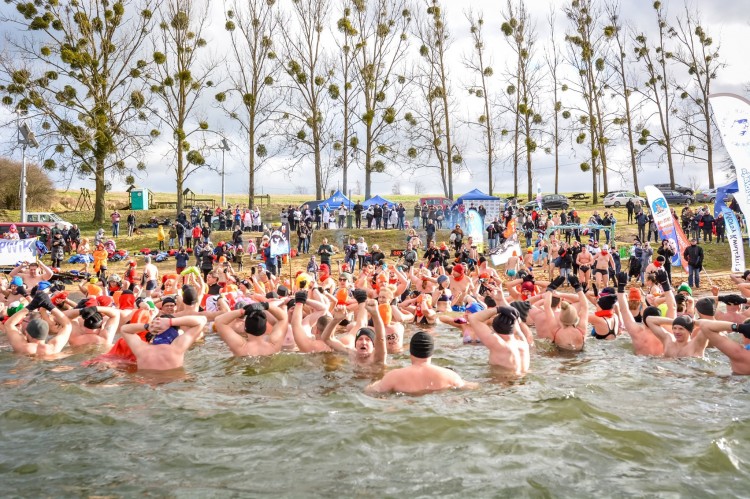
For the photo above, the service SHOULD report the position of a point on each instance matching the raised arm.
(627, 316)
(223, 326)
(62, 337)
(339, 314)
(380, 347)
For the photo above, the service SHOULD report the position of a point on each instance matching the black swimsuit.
(611, 331)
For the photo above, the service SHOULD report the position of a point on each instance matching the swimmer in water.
(166, 344)
(369, 345)
(308, 338)
(644, 341)
(32, 338)
(421, 376)
(738, 353)
(507, 345)
(257, 340)
(568, 328)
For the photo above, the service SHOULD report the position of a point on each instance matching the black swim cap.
(706, 306)
(650, 312)
(607, 302)
(255, 323)
(91, 318)
(684, 321)
(523, 308)
(490, 302)
(365, 331)
(282, 291)
(38, 329)
(505, 320)
(189, 295)
(422, 345)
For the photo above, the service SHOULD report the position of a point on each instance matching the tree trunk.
(368, 162)
(557, 149)
(251, 164)
(316, 153)
(100, 207)
(515, 145)
(449, 150)
(709, 144)
(345, 145)
(630, 141)
(180, 175)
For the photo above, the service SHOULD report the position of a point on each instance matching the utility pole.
(224, 148)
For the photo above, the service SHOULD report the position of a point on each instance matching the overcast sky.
(727, 21)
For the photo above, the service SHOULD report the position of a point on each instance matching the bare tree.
(553, 59)
(698, 55)
(343, 91)
(658, 88)
(396, 189)
(585, 55)
(179, 76)
(251, 99)
(381, 27)
(432, 31)
(480, 66)
(615, 33)
(86, 87)
(520, 32)
(307, 123)
(418, 187)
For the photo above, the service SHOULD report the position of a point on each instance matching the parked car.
(709, 196)
(35, 229)
(677, 188)
(675, 197)
(47, 217)
(550, 202)
(621, 198)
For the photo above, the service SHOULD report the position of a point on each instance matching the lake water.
(603, 423)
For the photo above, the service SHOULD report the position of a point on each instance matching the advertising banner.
(666, 224)
(14, 251)
(734, 236)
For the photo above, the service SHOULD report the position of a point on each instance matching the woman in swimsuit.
(569, 327)
(605, 321)
(443, 295)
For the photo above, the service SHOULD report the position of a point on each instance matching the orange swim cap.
(386, 313)
(342, 295)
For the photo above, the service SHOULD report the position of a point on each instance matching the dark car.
(550, 202)
(675, 197)
(677, 188)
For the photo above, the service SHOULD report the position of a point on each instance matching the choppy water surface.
(603, 423)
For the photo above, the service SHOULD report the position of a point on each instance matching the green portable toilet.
(139, 199)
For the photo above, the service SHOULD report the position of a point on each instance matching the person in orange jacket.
(100, 262)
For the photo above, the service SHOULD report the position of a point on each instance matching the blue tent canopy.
(721, 193)
(378, 201)
(475, 195)
(335, 201)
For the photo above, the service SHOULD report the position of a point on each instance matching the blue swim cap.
(43, 285)
(441, 279)
(17, 281)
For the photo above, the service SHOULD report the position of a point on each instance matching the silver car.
(618, 199)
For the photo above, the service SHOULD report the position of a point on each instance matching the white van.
(39, 216)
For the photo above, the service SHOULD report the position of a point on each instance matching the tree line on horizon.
(341, 84)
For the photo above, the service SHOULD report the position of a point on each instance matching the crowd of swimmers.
(153, 320)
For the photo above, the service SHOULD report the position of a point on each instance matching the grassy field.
(717, 260)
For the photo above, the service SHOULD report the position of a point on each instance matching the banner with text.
(14, 251)
(732, 115)
(666, 224)
(734, 236)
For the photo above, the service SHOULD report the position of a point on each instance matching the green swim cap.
(684, 287)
